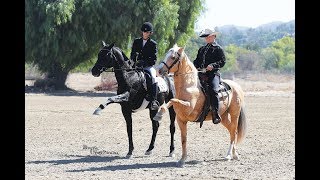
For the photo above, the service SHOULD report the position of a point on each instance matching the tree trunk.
(55, 79)
(58, 76)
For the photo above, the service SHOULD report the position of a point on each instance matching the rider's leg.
(152, 88)
(214, 98)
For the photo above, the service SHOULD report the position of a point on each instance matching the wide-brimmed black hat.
(207, 32)
(147, 26)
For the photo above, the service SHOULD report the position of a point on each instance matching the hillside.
(261, 36)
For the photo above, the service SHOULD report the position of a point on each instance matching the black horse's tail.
(242, 125)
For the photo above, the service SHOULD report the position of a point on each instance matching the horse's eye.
(172, 57)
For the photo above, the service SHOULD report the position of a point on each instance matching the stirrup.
(216, 119)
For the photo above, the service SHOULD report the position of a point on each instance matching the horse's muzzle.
(95, 72)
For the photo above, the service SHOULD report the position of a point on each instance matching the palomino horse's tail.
(242, 125)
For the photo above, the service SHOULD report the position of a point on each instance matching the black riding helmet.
(147, 26)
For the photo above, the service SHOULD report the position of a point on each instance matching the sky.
(248, 13)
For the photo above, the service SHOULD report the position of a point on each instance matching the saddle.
(223, 93)
(161, 83)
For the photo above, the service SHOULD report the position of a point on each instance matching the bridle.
(112, 69)
(176, 60)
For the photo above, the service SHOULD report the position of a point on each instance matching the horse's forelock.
(175, 48)
(169, 54)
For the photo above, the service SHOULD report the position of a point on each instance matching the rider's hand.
(209, 67)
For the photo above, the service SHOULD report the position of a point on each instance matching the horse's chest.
(188, 94)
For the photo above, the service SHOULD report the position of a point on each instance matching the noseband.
(174, 62)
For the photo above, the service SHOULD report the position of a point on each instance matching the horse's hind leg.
(128, 117)
(183, 130)
(231, 123)
(114, 99)
(155, 127)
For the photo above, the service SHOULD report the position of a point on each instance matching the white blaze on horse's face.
(169, 59)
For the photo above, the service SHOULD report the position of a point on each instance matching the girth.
(223, 93)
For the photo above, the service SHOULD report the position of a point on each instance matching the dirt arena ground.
(63, 140)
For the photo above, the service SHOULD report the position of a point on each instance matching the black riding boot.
(216, 118)
(153, 97)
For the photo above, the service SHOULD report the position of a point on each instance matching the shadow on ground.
(68, 92)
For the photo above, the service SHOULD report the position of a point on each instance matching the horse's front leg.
(155, 127)
(183, 130)
(127, 114)
(114, 99)
(162, 110)
(172, 114)
(172, 130)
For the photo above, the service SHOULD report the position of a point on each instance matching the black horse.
(132, 91)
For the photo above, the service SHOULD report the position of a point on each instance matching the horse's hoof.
(228, 158)
(157, 118)
(148, 153)
(172, 154)
(180, 163)
(235, 157)
(129, 156)
(97, 112)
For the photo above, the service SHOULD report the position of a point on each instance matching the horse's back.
(235, 87)
(165, 84)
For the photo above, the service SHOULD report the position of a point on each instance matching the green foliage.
(164, 28)
(231, 53)
(281, 55)
(188, 12)
(193, 45)
(85, 66)
(61, 35)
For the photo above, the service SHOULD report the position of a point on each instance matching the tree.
(281, 55)
(61, 34)
(231, 53)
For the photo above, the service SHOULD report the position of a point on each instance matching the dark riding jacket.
(147, 55)
(210, 54)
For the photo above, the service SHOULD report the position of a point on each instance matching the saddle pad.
(162, 85)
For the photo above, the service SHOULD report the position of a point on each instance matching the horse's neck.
(127, 79)
(120, 75)
(122, 59)
(186, 77)
(120, 65)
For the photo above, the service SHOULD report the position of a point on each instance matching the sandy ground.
(63, 140)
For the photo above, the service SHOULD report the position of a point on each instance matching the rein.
(103, 69)
(174, 62)
(113, 70)
(203, 70)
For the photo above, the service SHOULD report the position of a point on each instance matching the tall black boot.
(153, 97)
(216, 118)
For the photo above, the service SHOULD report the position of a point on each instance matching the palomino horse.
(190, 99)
(132, 92)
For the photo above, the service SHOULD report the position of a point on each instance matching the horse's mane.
(123, 56)
(190, 68)
(122, 53)
(184, 57)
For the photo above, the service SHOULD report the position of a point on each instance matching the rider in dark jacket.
(211, 58)
(144, 54)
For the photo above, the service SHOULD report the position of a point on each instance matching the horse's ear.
(175, 46)
(181, 49)
(111, 45)
(104, 43)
